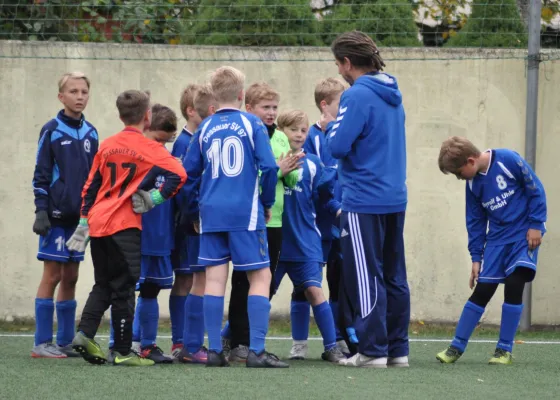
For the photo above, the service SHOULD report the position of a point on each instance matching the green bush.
(388, 22)
(492, 23)
(253, 23)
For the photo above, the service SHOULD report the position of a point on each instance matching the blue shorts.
(326, 247)
(52, 247)
(156, 269)
(185, 257)
(302, 274)
(247, 250)
(500, 261)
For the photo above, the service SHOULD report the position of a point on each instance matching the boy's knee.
(52, 274)
(315, 295)
(149, 290)
(483, 293)
(298, 295)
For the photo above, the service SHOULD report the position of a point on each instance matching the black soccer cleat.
(155, 354)
(264, 360)
(216, 359)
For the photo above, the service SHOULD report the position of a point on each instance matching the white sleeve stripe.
(340, 118)
(342, 110)
(312, 171)
(506, 171)
(332, 134)
(248, 128)
(335, 126)
(202, 132)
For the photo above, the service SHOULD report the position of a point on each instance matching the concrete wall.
(481, 97)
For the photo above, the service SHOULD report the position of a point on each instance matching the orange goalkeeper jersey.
(126, 162)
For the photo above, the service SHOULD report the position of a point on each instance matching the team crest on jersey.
(299, 174)
(87, 145)
(160, 180)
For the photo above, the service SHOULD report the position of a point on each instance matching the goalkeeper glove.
(42, 225)
(80, 238)
(143, 201)
(352, 335)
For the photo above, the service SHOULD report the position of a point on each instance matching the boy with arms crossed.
(225, 158)
(126, 164)
(506, 215)
(67, 146)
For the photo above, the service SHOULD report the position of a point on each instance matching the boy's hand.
(267, 214)
(534, 238)
(474, 274)
(196, 227)
(289, 163)
(42, 225)
(325, 119)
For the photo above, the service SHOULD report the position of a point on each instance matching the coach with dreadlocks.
(368, 138)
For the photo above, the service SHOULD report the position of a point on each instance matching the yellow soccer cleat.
(449, 355)
(501, 357)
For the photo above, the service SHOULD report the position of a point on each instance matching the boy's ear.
(323, 104)
(241, 95)
(211, 109)
(249, 108)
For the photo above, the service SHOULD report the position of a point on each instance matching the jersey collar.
(132, 130)
(489, 162)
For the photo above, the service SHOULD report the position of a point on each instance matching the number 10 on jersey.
(227, 156)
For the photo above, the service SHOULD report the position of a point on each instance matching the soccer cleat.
(226, 346)
(343, 347)
(449, 355)
(136, 347)
(362, 361)
(333, 355)
(132, 359)
(176, 349)
(68, 350)
(156, 354)
(198, 357)
(216, 359)
(239, 354)
(501, 357)
(299, 350)
(264, 360)
(47, 350)
(88, 349)
(398, 362)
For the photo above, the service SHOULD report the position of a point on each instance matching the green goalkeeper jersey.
(280, 145)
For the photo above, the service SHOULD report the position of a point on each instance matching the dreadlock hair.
(359, 48)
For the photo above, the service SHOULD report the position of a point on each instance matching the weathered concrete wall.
(481, 97)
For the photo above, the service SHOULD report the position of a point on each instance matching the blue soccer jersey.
(226, 154)
(503, 203)
(301, 239)
(158, 226)
(181, 144)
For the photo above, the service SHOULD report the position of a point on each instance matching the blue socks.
(258, 309)
(136, 326)
(334, 310)
(325, 322)
(193, 335)
(148, 314)
(66, 317)
(299, 316)
(511, 315)
(226, 332)
(468, 321)
(44, 314)
(177, 315)
(213, 315)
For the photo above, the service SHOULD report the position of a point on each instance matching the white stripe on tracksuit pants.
(375, 279)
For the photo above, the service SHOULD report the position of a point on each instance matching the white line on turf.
(27, 335)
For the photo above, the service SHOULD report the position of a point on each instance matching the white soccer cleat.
(299, 350)
(398, 362)
(361, 361)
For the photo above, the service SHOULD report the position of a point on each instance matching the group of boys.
(255, 189)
